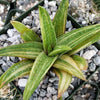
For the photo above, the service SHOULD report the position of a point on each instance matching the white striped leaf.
(26, 33)
(41, 66)
(59, 49)
(60, 18)
(77, 36)
(80, 61)
(64, 81)
(47, 30)
(67, 64)
(17, 70)
(85, 44)
(28, 50)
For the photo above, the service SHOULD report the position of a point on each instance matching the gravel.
(47, 90)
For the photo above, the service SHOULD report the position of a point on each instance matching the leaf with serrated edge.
(28, 50)
(59, 49)
(67, 64)
(41, 66)
(47, 30)
(26, 33)
(64, 81)
(17, 70)
(60, 18)
(77, 36)
(85, 44)
(80, 61)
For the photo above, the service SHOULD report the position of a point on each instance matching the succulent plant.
(56, 49)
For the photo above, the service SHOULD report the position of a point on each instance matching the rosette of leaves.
(56, 49)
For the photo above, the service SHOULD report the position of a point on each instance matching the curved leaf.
(77, 36)
(67, 64)
(64, 81)
(26, 33)
(21, 28)
(85, 44)
(60, 18)
(41, 66)
(81, 62)
(47, 30)
(17, 70)
(28, 50)
(59, 49)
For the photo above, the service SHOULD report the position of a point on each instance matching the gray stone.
(53, 79)
(42, 93)
(84, 22)
(52, 74)
(1, 62)
(92, 67)
(68, 24)
(65, 95)
(3, 37)
(77, 98)
(52, 3)
(97, 60)
(89, 54)
(54, 97)
(51, 90)
(4, 67)
(22, 82)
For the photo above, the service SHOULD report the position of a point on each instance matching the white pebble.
(89, 54)
(22, 82)
(52, 3)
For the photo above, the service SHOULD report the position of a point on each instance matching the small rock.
(65, 95)
(51, 90)
(92, 67)
(54, 97)
(52, 3)
(42, 93)
(78, 98)
(89, 54)
(68, 24)
(84, 22)
(53, 79)
(22, 82)
(97, 60)
(52, 74)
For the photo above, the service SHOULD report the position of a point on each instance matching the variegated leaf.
(75, 37)
(41, 66)
(64, 81)
(26, 33)
(28, 50)
(60, 18)
(80, 61)
(67, 64)
(59, 49)
(17, 70)
(85, 43)
(47, 30)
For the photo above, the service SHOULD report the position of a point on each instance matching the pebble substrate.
(47, 90)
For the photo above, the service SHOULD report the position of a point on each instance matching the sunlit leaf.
(59, 49)
(26, 50)
(47, 30)
(60, 18)
(67, 64)
(17, 70)
(41, 66)
(64, 81)
(81, 62)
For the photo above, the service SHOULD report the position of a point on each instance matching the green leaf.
(59, 49)
(67, 64)
(64, 81)
(17, 70)
(47, 30)
(41, 66)
(26, 33)
(29, 35)
(80, 61)
(28, 50)
(60, 18)
(77, 36)
(85, 43)
(21, 28)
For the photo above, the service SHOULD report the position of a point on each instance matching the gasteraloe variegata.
(57, 51)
